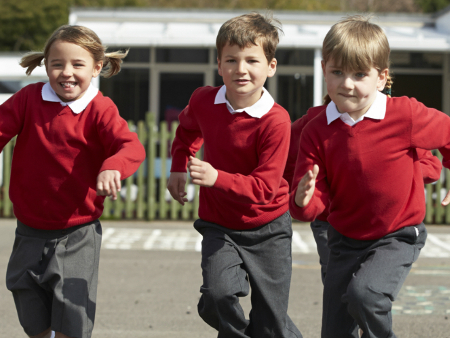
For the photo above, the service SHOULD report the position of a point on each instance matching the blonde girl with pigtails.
(72, 150)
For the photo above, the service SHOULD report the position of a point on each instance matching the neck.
(241, 102)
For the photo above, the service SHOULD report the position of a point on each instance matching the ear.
(272, 67)
(382, 78)
(219, 66)
(97, 68)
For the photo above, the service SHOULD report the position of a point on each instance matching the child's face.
(70, 69)
(244, 72)
(353, 92)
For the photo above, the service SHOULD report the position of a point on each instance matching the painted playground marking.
(438, 245)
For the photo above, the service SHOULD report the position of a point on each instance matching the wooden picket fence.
(144, 195)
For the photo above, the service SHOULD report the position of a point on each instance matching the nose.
(67, 71)
(241, 68)
(348, 83)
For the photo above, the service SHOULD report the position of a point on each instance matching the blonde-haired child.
(72, 150)
(358, 158)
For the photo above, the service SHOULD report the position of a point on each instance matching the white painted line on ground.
(438, 245)
(149, 242)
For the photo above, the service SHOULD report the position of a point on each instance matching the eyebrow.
(76, 60)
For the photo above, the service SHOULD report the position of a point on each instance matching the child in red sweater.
(358, 160)
(244, 218)
(72, 150)
(430, 165)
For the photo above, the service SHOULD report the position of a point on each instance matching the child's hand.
(306, 186)
(176, 184)
(108, 183)
(202, 172)
(446, 200)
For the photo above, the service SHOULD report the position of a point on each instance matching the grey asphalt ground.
(154, 293)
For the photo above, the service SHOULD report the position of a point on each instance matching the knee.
(363, 298)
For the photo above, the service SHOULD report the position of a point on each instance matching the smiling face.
(70, 69)
(353, 91)
(244, 72)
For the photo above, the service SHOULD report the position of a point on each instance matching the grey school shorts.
(53, 275)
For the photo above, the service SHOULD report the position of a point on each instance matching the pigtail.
(326, 99)
(387, 88)
(112, 62)
(31, 61)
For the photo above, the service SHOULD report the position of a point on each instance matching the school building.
(172, 52)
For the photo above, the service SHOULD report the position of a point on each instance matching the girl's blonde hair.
(357, 44)
(83, 37)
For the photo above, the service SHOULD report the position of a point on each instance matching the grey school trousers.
(320, 232)
(233, 259)
(364, 278)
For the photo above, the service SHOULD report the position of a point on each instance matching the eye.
(361, 75)
(253, 61)
(336, 72)
(230, 61)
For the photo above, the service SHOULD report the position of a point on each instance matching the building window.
(175, 91)
(295, 57)
(417, 60)
(10, 87)
(130, 92)
(295, 94)
(182, 55)
(135, 54)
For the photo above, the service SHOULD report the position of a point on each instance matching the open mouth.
(67, 85)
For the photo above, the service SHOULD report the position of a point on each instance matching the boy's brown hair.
(357, 44)
(248, 29)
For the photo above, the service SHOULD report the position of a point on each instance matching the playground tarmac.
(150, 278)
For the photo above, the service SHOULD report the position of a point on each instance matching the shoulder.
(206, 92)
(277, 114)
(32, 89)
(314, 111)
(103, 106)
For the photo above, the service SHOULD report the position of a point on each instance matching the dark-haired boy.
(243, 211)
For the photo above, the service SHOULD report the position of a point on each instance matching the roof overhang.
(198, 28)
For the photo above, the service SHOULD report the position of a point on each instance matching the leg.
(267, 257)
(46, 334)
(320, 230)
(33, 303)
(224, 281)
(74, 281)
(343, 260)
(376, 284)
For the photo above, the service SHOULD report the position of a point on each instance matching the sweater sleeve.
(308, 156)
(430, 129)
(430, 165)
(262, 184)
(296, 130)
(124, 151)
(188, 139)
(11, 117)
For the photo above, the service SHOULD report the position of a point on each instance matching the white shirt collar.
(258, 110)
(77, 106)
(376, 111)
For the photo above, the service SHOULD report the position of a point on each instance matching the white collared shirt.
(258, 110)
(376, 111)
(77, 106)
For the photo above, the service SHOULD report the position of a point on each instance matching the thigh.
(222, 265)
(387, 263)
(33, 302)
(76, 262)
